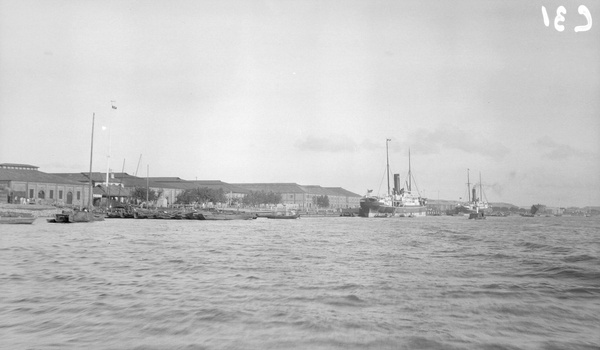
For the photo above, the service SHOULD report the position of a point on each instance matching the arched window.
(41, 194)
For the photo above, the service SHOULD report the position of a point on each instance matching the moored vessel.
(282, 215)
(475, 203)
(398, 202)
(82, 215)
(16, 218)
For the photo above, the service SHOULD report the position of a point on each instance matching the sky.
(308, 91)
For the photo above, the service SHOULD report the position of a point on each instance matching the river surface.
(312, 283)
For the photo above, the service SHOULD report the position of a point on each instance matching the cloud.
(334, 143)
(553, 150)
(497, 188)
(449, 137)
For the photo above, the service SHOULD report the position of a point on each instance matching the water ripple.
(334, 283)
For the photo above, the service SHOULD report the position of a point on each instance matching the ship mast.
(409, 173)
(90, 201)
(480, 189)
(388, 165)
(468, 185)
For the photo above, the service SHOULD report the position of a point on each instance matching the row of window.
(42, 194)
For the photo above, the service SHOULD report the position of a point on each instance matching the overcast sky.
(308, 92)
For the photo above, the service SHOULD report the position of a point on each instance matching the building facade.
(24, 183)
(121, 185)
(303, 196)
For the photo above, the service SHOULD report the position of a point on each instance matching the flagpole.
(114, 108)
(90, 199)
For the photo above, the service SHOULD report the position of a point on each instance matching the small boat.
(212, 215)
(282, 216)
(478, 215)
(193, 215)
(120, 212)
(68, 216)
(62, 218)
(16, 218)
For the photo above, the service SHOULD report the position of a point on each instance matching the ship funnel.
(396, 183)
(474, 194)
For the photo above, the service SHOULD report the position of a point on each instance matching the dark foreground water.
(313, 283)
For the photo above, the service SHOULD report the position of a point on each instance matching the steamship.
(399, 202)
(475, 203)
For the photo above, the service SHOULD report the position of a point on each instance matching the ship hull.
(372, 210)
(468, 210)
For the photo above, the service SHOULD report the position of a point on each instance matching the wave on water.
(315, 283)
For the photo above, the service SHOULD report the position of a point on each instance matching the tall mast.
(91, 192)
(409, 173)
(468, 185)
(147, 182)
(138, 166)
(121, 182)
(388, 165)
(480, 189)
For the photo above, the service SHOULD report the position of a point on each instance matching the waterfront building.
(232, 192)
(23, 183)
(291, 194)
(342, 198)
(120, 186)
(302, 196)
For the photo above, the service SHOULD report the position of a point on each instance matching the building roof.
(212, 184)
(79, 177)
(113, 190)
(179, 183)
(273, 187)
(315, 189)
(342, 192)
(17, 165)
(123, 178)
(30, 175)
(295, 188)
(167, 179)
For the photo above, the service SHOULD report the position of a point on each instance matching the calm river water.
(313, 283)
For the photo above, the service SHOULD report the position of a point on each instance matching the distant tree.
(201, 195)
(321, 201)
(139, 194)
(273, 198)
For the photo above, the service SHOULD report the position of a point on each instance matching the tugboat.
(396, 203)
(475, 204)
(477, 215)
